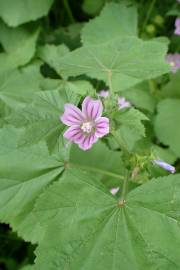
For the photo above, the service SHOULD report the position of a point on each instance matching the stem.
(120, 141)
(93, 169)
(68, 10)
(124, 191)
(110, 82)
(153, 87)
(148, 14)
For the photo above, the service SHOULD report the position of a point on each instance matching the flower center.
(87, 127)
(172, 64)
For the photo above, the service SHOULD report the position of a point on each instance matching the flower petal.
(123, 103)
(164, 165)
(102, 127)
(72, 115)
(92, 109)
(103, 93)
(87, 142)
(114, 190)
(73, 133)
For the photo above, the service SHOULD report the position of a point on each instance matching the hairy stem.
(68, 10)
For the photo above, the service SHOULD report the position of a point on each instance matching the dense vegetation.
(89, 135)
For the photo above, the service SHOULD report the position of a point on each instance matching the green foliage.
(141, 97)
(42, 117)
(132, 119)
(19, 45)
(20, 190)
(17, 12)
(166, 124)
(91, 7)
(127, 61)
(17, 86)
(171, 89)
(29, 267)
(114, 21)
(97, 234)
(50, 54)
(52, 193)
(98, 158)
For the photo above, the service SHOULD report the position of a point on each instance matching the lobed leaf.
(86, 229)
(17, 12)
(17, 87)
(19, 45)
(97, 159)
(133, 119)
(50, 54)
(33, 170)
(126, 61)
(115, 20)
(42, 117)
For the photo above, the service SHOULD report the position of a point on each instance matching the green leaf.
(33, 170)
(51, 53)
(132, 118)
(164, 154)
(41, 118)
(97, 160)
(129, 135)
(20, 11)
(171, 89)
(19, 45)
(141, 97)
(17, 86)
(28, 267)
(92, 7)
(166, 124)
(68, 35)
(126, 61)
(86, 229)
(78, 87)
(115, 20)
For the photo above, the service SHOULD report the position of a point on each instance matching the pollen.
(87, 127)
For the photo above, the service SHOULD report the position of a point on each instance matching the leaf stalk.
(97, 170)
(68, 10)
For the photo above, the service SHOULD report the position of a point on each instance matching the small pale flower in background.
(174, 61)
(123, 103)
(114, 191)
(177, 27)
(164, 165)
(103, 93)
(86, 126)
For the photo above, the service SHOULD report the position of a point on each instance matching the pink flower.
(174, 61)
(114, 191)
(164, 165)
(123, 103)
(177, 27)
(103, 93)
(86, 126)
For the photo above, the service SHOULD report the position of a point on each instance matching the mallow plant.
(89, 140)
